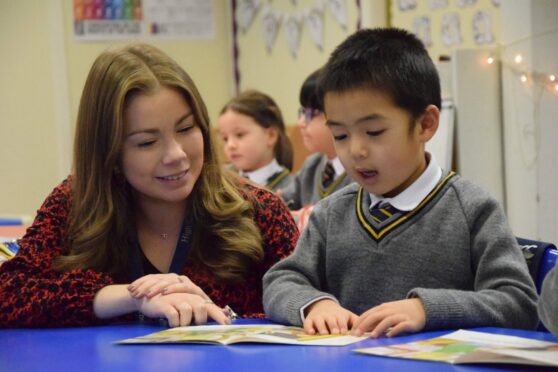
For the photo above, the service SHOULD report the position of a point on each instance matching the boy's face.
(315, 134)
(379, 144)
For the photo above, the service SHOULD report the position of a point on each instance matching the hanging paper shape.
(482, 28)
(437, 4)
(339, 10)
(292, 27)
(496, 3)
(405, 5)
(246, 12)
(451, 30)
(464, 3)
(315, 23)
(271, 23)
(421, 28)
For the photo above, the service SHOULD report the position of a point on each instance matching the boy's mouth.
(367, 173)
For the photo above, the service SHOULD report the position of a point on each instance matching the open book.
(473, 347)
(232, 334)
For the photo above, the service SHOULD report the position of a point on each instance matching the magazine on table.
(473, 347)
(246, 333)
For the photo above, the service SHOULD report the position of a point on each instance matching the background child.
(409, 246)
(252, 128)
(322, 173)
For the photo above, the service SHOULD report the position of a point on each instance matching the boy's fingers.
(385, 324)
(309, 326)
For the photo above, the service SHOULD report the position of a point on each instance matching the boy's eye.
(375, 133)
(339, 137)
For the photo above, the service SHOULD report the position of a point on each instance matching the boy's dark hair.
(390, 60)
(309, 94)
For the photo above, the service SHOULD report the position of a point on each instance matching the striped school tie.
(328, 175)
(383, 212)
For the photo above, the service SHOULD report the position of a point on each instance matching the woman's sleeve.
(279, 231)
(32, 294)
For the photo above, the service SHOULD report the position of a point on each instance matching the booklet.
(473, 347)
(232, 334)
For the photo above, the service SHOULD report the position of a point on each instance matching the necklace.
(164, 236)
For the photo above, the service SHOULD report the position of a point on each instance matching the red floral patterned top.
(32, 294)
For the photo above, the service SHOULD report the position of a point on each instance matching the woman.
(147, 204)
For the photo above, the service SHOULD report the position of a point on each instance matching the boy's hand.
(392, 318)
(327, 317)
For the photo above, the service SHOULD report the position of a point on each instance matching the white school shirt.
(261, 175)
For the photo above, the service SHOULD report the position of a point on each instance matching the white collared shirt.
(261, 175)
(337, 166)
(408, 199)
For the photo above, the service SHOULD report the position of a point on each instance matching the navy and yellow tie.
(328, 175)
(382, 212)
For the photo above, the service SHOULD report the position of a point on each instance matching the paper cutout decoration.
(315, 23)
(339, 10)
(271, 21)
(496, 3)
(451, 30)
(405, 5)
(482, 28)
(292, 27)
(465, 3)
(246, 12)
(421, 28)
(437, 4)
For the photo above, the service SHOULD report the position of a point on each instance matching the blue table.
(92, 349)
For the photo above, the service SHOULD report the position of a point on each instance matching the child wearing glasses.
(255, 142)
(322, 173)
(409, 246)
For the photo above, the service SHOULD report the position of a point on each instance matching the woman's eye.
(184, 129)
(146, 143)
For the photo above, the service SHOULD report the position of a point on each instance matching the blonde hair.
(226, 240)
(265, 112)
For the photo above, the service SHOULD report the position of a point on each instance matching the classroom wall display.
(147, 19)
(443, 25)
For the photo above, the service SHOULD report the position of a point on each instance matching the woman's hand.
(153, 284)
(182, 309)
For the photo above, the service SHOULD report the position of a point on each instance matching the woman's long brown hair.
(226, 240)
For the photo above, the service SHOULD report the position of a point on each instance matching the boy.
(322, 173)
(409, 247)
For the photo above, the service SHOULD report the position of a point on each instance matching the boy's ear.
(428, 122)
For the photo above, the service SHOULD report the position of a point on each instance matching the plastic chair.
(541, 257)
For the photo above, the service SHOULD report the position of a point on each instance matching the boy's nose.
(358, 148)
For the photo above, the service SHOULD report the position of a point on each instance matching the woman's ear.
(428, 122)
(272, 136)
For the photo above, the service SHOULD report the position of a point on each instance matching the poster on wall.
(147, 19)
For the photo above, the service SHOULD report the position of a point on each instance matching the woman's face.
(248, 145)
(162, 151)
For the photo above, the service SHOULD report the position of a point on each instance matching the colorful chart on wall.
(151, 19)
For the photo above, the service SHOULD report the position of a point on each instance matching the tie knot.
(382, 211)
(328, 174)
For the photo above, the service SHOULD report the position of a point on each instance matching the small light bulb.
(556, 87)
(518, 58)
(490, 60)
(523, 78)
(552, 77)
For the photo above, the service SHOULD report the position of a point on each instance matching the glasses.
(308, 113)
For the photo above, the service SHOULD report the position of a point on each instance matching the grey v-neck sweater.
(455, 252)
